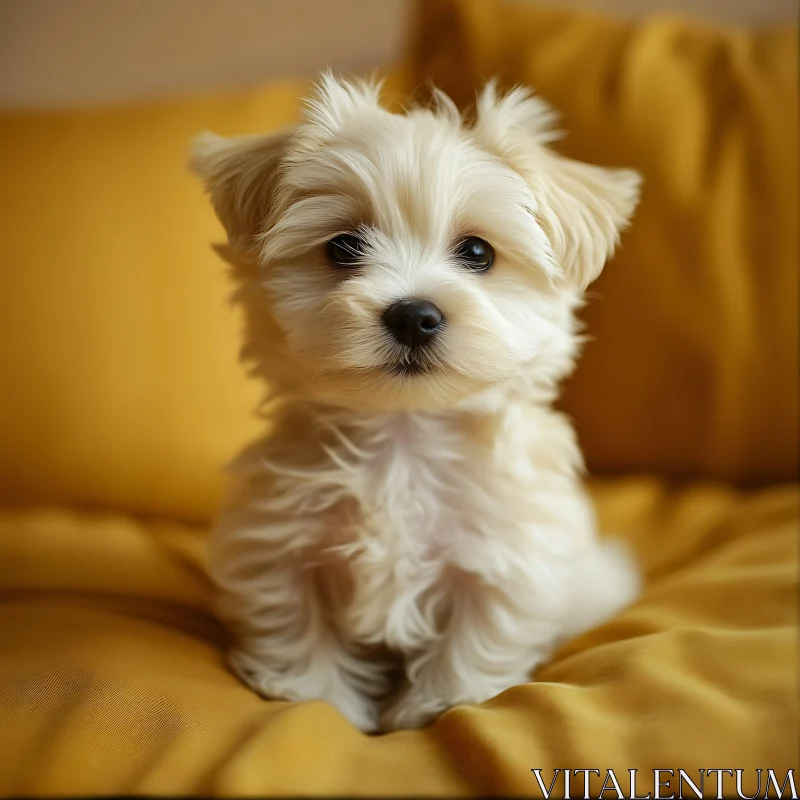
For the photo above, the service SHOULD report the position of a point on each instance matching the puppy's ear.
(239, 173)
(582, 208)
(583, 211)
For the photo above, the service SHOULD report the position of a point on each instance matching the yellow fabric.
(119, 391)
(119, 382)
(111, 679)
(693, 364)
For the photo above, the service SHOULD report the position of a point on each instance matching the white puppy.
(409, 283)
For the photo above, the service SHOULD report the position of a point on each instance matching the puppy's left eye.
(475, 253)
(345, 250)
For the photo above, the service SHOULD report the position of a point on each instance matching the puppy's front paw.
(418, 705)
(412, 708)
(316, 683)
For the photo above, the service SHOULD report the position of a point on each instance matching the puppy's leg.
(495, 636)
(285, 646)
(499, 632)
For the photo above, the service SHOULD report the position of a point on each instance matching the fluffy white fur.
(431, 525)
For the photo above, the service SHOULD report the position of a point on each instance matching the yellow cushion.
(112, 681)
(119, 382)
(693, 367)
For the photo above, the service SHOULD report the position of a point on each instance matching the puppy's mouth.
(412, 363)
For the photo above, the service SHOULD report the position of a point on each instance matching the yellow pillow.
(694, 365)
(119, 382)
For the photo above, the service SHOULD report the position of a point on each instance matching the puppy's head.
(412, 260)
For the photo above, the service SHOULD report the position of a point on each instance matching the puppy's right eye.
(345, 250)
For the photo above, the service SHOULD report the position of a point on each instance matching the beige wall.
(57, 52)
(87, 52)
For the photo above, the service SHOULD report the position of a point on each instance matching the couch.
(121, 399)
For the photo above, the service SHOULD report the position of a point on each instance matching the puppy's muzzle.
(413, 323)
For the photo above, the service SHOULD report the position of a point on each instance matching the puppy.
(409, 284)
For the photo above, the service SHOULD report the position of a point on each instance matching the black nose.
(413, 322)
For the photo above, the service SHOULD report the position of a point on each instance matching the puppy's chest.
(410, 491)
(421, 504)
